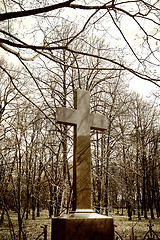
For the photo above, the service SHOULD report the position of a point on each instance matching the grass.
(33, 228)
(139, 227)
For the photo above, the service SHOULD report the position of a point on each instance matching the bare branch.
(23, 95)
(122, 66)
(10, 15)
(33, 47)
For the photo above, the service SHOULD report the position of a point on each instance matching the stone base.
(82, 225)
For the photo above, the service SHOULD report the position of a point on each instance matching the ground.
(33, 228)
(135, 227)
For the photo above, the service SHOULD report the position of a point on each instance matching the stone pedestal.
(82, 225)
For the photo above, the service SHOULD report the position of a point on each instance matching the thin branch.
(23, 95)
(122, 66)
(33, 47)
(17, 54)
(124, 37)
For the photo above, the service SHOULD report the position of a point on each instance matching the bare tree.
(100, 18)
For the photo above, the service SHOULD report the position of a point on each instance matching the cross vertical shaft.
(82, 151)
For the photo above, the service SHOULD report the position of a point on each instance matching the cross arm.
(66, 116)
(98, 121)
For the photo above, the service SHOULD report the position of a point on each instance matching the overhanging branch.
(10, 15)
(122, 66)
(33, 47)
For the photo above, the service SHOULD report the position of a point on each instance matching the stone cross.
(82, 120)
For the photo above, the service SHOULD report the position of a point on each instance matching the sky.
(142, 87)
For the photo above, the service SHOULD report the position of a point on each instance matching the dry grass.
(137, 227)
(33, 229)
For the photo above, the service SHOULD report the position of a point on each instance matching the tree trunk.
(157, 200)
(129, 212)
(144, 197)
(38, 190)
(144, 206)
(138, 198)
(137, 178)
(38, 205)
(33, 206)
(19, 195)
(150, 197)
(28, 196)
(106, 194)
(2, 216)
(106, 174)
(94, 194)
(98, 174)
(51, 201)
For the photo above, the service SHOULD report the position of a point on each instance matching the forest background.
(51, 48)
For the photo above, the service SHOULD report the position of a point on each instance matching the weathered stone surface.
(82, 226)
(82, 120)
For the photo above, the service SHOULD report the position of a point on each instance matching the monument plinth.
(82, 226)
(82, 222)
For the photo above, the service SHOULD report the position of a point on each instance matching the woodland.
(48, 50)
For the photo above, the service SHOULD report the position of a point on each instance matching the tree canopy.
(129, 27)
